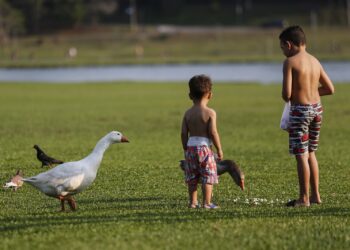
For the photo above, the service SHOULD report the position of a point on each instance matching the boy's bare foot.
(315, 201)
(194, 205)
(297, 203)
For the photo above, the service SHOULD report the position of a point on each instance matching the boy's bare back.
(198, 119)
(304, 79)
(303, 74)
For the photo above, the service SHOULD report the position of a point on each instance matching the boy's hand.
(220, 155)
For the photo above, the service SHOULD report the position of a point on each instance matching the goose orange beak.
(124, 139)
(241, 184)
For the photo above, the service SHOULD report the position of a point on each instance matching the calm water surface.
(236, 72)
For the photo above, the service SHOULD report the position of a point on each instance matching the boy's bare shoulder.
(312, 59)
(292, 59)
(315, 61)
(210, 112)
(289, 62)
(187, 113)
(299, 59)
(204, 112)
(190, 112)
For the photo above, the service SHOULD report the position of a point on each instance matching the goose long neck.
(97, 153)
(101, 146)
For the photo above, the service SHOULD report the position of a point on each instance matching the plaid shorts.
(200, 165)
(304, 128)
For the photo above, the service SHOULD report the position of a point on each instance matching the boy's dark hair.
(199, 85)
(293, 34)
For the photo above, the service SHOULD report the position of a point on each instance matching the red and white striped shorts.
(304, 128)
(201, 164)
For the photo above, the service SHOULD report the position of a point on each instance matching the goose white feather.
(71, 178)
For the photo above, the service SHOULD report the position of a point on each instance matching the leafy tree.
(11, 20)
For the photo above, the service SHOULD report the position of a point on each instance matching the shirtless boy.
(304, 81)
(198, 132)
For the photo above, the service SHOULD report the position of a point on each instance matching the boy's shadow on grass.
(128, 210)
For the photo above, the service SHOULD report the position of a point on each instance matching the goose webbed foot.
(62, 204)
(72, 204)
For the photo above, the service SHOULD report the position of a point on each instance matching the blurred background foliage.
(19, 17)
(49, 33)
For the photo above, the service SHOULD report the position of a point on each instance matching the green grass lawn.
(139, 199)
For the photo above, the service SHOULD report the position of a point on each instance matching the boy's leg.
(192, 192)
(304, 178)
(314, 178)
(207, 190)
(315, 127)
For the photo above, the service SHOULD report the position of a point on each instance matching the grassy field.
(139, 200)
(117, 45)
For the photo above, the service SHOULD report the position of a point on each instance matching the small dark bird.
(226, 166)
(45, 159)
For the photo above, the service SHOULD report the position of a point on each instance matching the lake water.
(236, 72)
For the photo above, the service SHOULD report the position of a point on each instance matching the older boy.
(304, 81)
(198, 132)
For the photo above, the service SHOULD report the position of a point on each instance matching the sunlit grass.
(139, 200)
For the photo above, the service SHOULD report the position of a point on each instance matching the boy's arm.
(326, 87)
(184, 133)
(287, 81)
(214, 135)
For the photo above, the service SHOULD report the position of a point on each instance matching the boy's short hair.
(293, 34)
(199, 85)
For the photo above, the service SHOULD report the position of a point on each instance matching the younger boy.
(304, 81)
(198, 132)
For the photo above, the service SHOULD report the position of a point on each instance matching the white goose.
(71, 178)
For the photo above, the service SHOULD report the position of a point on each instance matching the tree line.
(39, 16)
